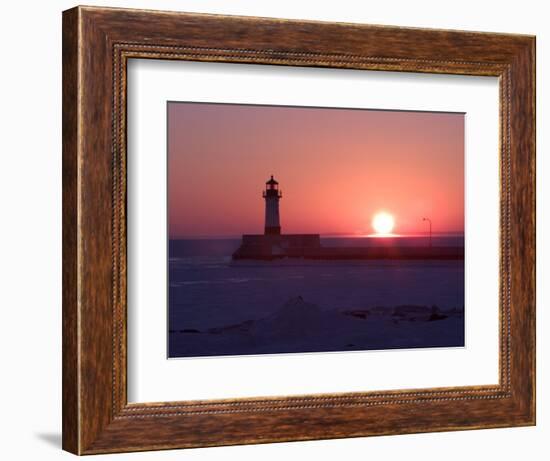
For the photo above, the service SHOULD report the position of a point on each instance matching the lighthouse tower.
(272, 196)
(272, 244)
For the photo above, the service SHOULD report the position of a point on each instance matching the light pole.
(430, 221)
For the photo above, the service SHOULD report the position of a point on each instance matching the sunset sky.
(336, 169)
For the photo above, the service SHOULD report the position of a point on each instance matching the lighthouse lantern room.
(272, 195)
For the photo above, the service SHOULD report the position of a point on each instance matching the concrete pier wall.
(277, 246)
(308, 246)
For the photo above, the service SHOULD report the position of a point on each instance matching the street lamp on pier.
(429, 221)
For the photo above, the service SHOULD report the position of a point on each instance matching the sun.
(383, 223)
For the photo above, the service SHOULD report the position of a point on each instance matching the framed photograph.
(281, 230)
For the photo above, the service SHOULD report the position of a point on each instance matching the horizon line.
(325, 235)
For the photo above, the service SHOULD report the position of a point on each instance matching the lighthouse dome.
(271, 181)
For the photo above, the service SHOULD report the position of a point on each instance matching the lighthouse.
(272, 195)
(272, 244)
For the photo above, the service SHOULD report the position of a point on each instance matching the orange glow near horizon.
(337, 168)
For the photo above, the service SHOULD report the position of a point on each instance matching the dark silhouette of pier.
(308, 246)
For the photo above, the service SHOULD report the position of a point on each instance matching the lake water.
(221, 307)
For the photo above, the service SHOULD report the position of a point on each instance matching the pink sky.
(336, 169)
